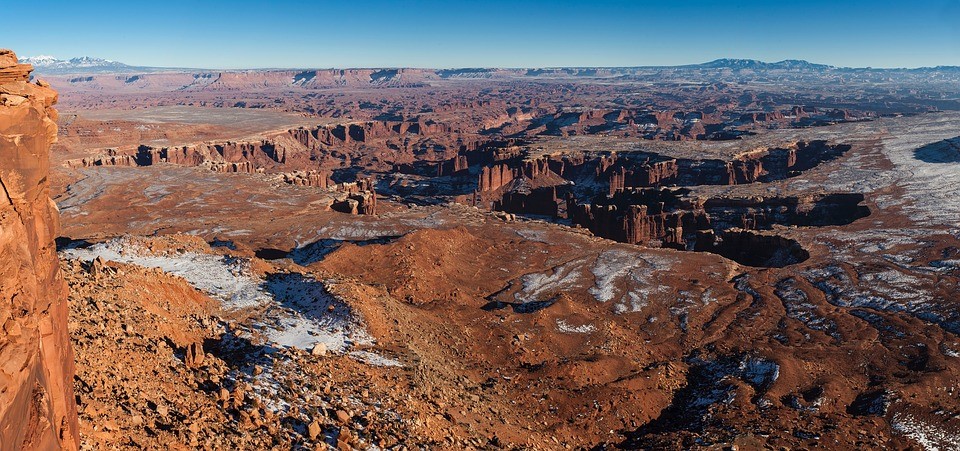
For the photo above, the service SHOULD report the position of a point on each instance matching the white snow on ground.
(888, 290)
(374, 359)
(431, 221)
(354, 232)
(895, 285)
(305, 314)
(225, 279)
(930, 437)
(930, 185)
(297, 311)
(932, 188)
(567, 328)
(760, 372)
(617, 268)
(948, 351)
(884, 290)
(624, 276)
(878, 240)
(559, 278)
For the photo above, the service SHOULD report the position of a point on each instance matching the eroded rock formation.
(357, 198)
(109, 158)
(320, 179)
(37, 407)
(675, 219)
(494, 177)
(639, 216)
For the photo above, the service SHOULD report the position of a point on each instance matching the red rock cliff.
(37, 409)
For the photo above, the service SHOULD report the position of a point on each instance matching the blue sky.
(246, 34)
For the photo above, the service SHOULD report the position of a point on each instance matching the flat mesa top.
(253, 118)
(727, 149)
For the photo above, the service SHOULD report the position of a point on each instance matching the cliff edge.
(37, 407)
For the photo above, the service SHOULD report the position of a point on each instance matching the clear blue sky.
(373, 33)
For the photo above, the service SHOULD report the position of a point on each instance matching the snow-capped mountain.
(732, 63)
(84, 64)
(39, 61)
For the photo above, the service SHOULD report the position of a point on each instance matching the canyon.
(720, 256)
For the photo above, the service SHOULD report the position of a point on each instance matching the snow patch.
(306, 313)
(292, 310)
(223, 278)
(566, 328)
(627, 277)
(930, 437)
(559, 278)
(373, 359)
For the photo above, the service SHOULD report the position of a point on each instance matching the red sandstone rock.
(37, 409)
(630, 224)
(319, 179)
(193, 357)
(646, 175)
(770, 116)
(494, 177)
(840, 115)
(746, 170)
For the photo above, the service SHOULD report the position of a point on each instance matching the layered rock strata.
(37, 407)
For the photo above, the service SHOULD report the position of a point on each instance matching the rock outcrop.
(320, 179)
(37, 407)
(640, 215)
(769, 116)
(245, 156)
(494, 177)
(455, 165)
(110, 158)
(357, 198)
(674, 219)
(647, 174)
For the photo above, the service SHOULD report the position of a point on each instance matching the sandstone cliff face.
(637, 217)
(357, 198)
(37, 409)
(494, 177)
(644, 175)
(320, 179)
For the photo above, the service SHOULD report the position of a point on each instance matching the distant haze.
(438, 34)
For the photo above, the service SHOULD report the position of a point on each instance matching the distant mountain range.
(89, 65)
(729, 63)
(84, 64)
(748, 64)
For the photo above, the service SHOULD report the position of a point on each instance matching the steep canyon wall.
(37, 408)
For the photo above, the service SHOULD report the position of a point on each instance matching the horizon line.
(479, 67)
